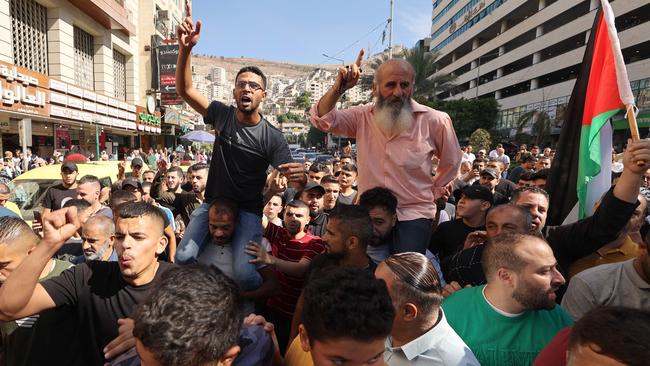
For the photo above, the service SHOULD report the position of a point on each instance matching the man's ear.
(507, 277)
(162, 244)
(352, 242)
(228, 358)
(304, 338)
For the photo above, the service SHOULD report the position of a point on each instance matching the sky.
(300, 31)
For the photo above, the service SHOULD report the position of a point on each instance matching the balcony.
(109, 13)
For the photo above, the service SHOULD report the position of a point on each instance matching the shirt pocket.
(412, 158)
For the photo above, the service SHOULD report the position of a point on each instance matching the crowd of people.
(409, 251)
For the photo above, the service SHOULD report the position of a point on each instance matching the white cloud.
(414, 19)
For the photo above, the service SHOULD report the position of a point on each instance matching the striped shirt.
(293, 250)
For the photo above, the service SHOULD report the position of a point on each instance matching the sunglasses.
(253, 85)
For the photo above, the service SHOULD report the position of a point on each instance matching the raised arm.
(21, 295)
(346, 78)
(188, 36)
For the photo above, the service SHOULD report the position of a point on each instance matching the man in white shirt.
(420, 334)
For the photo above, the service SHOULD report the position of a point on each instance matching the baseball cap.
(313, 185)
(70, 165)
(131, 181)
(491, 172)
(137, 162)
(474, 192)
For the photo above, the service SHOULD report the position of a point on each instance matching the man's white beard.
(393, 119)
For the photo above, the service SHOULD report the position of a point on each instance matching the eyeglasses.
(253, 85)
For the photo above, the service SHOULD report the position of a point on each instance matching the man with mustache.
(401, 133)
(245, 145)
(98, 237)
(511, 318)
(100, 294)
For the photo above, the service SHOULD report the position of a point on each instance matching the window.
(119, 74)
(84, 50)
(29, 34)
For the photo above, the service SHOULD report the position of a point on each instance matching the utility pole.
(390, 32)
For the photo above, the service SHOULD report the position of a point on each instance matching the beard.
(393, 115)
(532, 298)
(99, 254)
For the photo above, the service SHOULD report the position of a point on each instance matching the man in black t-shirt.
(57, 195)
(99, 293)
(449, 237)
(245, 145)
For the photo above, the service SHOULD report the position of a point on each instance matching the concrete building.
(526, 53)
(70, 71)
(218, 75)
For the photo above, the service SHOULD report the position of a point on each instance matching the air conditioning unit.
(163, 15)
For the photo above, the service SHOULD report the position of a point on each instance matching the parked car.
(28, 189)
(323, 158)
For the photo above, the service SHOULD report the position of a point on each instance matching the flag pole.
(634, 127)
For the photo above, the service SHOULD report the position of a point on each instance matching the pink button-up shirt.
(401, 163)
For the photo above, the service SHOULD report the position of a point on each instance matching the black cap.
(474, 192)
(70, 165)
(491, 172)
(137, 162)
(131, 181)
(313, 185)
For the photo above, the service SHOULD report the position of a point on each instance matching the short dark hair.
(542, 174)
(526, 175)
(176, 170)
(521, 214)
(356, 222)
(616, 332)
(198, 166)
(149, 171)
(329, 179)
(297, 204)
(132, 210)
(146, 185)
(349, 167)
(379, 197)
(480, 160)
(347, 302)
(532, 189)
(224, 206)
(500, 251)
(319, 168)
(80, 203)
(527, 157)
(417, 281)
(192, 318)
(121, 196)
(88, 179)
(255, 70)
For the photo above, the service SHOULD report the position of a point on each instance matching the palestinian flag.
(581, 170)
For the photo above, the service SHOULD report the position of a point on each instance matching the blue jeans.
(197, 235)
(412, 236)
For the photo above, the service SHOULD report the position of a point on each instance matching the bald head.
(101, 223)
(394, 65)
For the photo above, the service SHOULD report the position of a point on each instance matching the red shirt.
(292, 250)
(554, 354)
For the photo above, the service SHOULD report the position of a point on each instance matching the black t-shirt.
(57, 196)
(240, 157)
(449, 237)
(100, 296)
(318, 224)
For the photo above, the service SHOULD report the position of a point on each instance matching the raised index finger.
(360, 57)
(188, 9)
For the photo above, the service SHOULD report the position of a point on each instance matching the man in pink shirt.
(396, 139)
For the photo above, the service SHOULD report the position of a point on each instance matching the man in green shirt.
(509, 320)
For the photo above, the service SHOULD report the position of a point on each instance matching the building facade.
(68, 72)
(527, 53)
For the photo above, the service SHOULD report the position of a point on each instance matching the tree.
(480, 139)
(428, 82)
(468, 115)
(540, 127)
(303, 101)
(315, 137)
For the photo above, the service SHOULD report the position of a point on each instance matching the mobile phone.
(38, 216)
